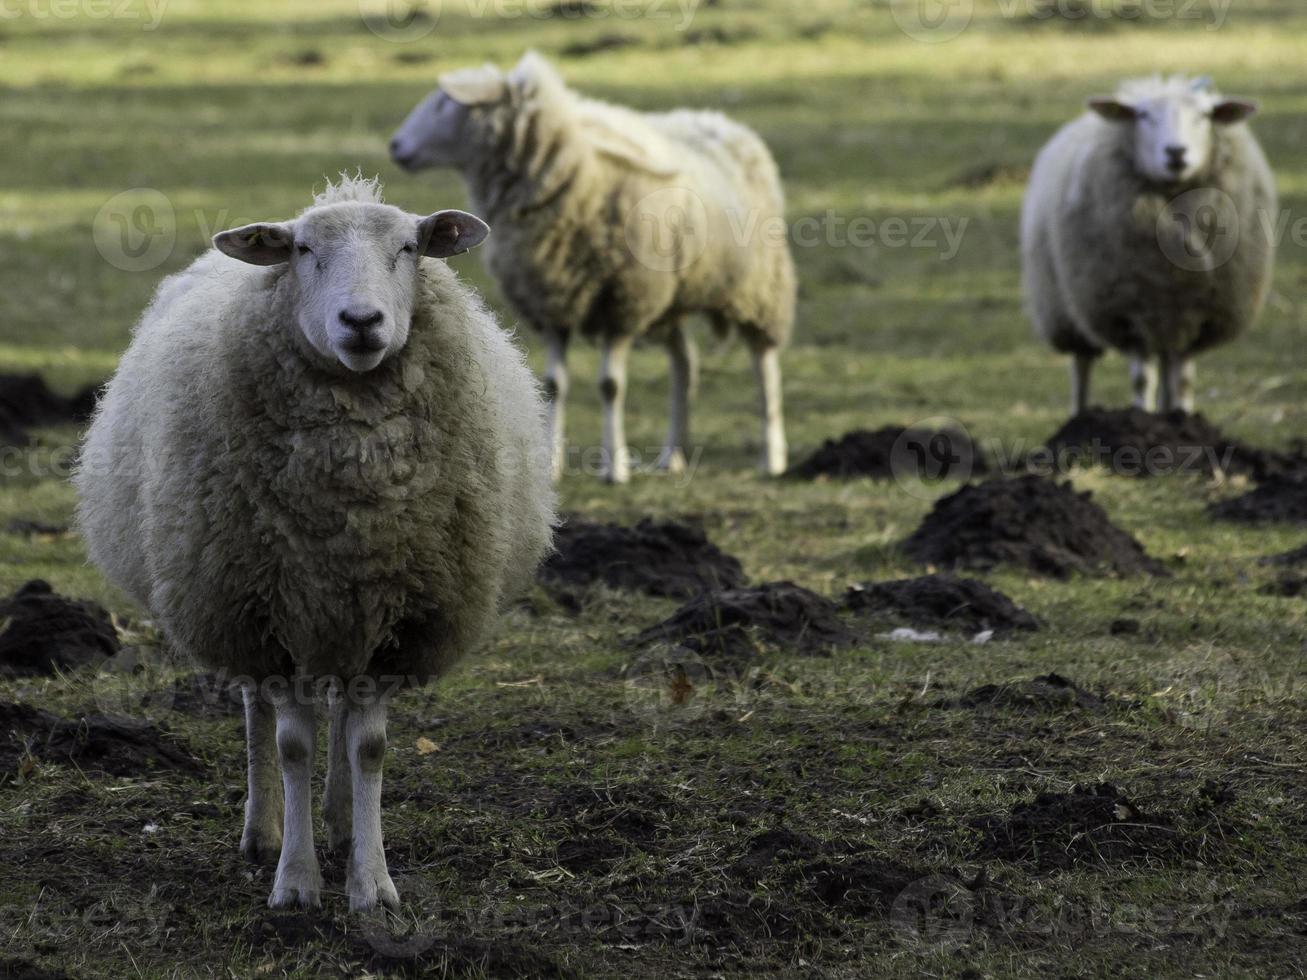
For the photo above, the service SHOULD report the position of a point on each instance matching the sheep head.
(354, 265)
(1174, 123)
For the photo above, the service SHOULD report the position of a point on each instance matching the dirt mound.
(1132, 442)
(659, 558)
(41, 632)
(1052, 692)
(1281, 498)
(26, 402)
(944, 601)
(94, 743)
(1290, 558)
(738, 623)
(895, 452)
(1028, 521)
(1090, 825)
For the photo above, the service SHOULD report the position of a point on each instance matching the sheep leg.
(367, 881)
(612, 389)
(299, 880)
(1165, 389)
(1181, 379)
(767, 371)
(1082, 367)
(338, 799)
(556, 393)
(261, 838)
(684, 359)
(1143, 381)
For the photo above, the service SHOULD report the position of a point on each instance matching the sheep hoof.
(260, 847)
(672, 461)
(338, 839)
(368, 888)
(296, 888)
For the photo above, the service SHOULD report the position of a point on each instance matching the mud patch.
(1286, 587)
(895, 452)
(37, 530)
(1030, 522)
(943, 601)
(600, 44)
(27, 402)
(42, 632)
(1292, 559)
(1132, 442)
(1052, 692)
(93, 743)
(1089, 825)
(660, 558)
(1282, 498)
(741, 624)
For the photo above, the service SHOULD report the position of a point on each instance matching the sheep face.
(433, 135)
(1174, 130)
(355, 271)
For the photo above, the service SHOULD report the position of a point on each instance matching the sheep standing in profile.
(1147, 228)
(616, 224)
(321, 463)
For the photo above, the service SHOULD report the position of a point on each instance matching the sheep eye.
(409, 248)
(303, 250)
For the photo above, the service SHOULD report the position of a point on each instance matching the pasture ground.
(877, 812)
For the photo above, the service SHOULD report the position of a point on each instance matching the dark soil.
(1052, 692)
(1291, 558)
(42, 632)
(1287, 587)
(23, 527)
(600, 44)
(737, 623)
(1281, 498)
(1027, 521)
(207, 694)
(94, 743)
(26, 402)
(895, 452)
(944, 601)
(659, 558)
(1091, 824)
(1132, 442)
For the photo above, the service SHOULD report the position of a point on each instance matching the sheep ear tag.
(447, 233)
(259, 244)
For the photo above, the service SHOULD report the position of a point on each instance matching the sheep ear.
(447, 233)
(475, 86)
(1113, 110)
(1233, 111)
(261, 244)
(534, 72)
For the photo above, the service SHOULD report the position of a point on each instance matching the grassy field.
(790, 821)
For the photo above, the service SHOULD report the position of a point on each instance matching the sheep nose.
(360, 320)
(1175, 157)
(397, 153)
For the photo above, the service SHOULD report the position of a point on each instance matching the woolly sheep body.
(284, 516)
(615, 224)
(1114, 259)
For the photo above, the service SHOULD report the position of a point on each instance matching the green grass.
(560, 819)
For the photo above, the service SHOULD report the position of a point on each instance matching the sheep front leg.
(1082, 368)
(261, 838)
(1143, 382)
(556, 384)
(612, 389)
(367, 880)
(683, 360)
(767, 371)
(1180, 383)
(299, 880)
(1166, 368)
(338, 799)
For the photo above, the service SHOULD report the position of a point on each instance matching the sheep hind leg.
(683, 377)
(261, 838)
(1143, 382)
(767, 371)
(1166, 367)
(367, 880)
(338, 798)
(556, 386)
(1180, 380)
(612, 389)
(299, 879)
(1082, 369)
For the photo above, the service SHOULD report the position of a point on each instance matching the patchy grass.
(853, 816)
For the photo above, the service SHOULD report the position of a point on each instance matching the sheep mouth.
(363, 345)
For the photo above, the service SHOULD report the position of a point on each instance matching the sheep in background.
(617, 224)
(321, 458)
(1147, 228)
